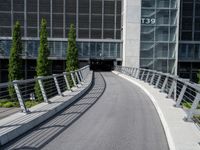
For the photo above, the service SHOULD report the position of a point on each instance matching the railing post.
(66, 81)
(126, 70)
(79, 72)
(42, 89)
(79, 82)
(132, 70)
(133, 73)
(73, 79)
(152, 78)
(57, 84)
(171, 88)
(180, 97)
(147, 77)
(193, 108)
(164, 84)
(158, 81)
(143, 74)
(138, 73)
(19, 97)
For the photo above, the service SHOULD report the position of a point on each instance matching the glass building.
(189, 39)
(161, 35)
(159, 26)
(98, 28)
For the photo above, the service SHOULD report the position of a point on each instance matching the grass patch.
(10, 104)
(188, 105)
(30, 103)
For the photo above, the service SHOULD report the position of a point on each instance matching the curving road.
(121, 117)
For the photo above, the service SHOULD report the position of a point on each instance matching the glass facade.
(189, 37)
(158, 35)
(94, 19)
(105, 50)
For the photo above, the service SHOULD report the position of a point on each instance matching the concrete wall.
(131, 32)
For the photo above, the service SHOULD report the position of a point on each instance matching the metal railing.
(186, 94)
(19, 92)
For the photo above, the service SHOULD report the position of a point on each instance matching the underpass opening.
(101, 65)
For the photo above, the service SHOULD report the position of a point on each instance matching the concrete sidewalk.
(181, 135)
(19, 123)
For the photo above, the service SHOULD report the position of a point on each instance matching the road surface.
(114, 115)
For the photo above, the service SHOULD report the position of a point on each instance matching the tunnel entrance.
(101, 65)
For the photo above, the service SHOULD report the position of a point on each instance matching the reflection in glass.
(85, 49)
(113, 50)
(106, 50)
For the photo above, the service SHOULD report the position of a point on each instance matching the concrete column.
(131, 32)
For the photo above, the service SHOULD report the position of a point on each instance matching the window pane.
(83, 33)
(18, 5)
(83, 6)
(31, 32)
(83, 21)
(57, 20)
(5, 5)
(148, 3)
(57, 6)
(109, 34)
(70, 6)
(109, 7)
(31, 6)
(5, 19)
(96, 6)
(32, 20)
(109, 22)
(96, 34)
(96, 21)
(44, 5)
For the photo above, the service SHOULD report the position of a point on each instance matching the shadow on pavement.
(50, 129)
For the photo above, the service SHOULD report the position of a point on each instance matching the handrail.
(186, 94)
(49, 86)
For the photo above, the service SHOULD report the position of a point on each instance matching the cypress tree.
(15, 61)
(72, 52)
(42, 68)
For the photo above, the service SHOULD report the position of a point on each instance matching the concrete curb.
(11, 128)
(162, 118)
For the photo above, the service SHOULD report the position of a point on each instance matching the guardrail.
(186, 94)
(49, 86)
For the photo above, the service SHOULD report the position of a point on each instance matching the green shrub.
(72, 53)
(9, 104)
(15, 61)
(43, 63)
